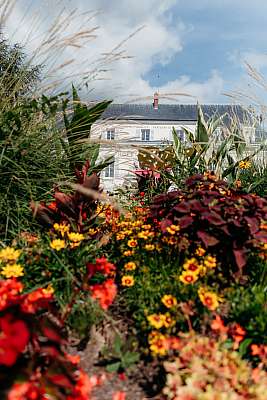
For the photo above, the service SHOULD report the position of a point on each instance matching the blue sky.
(191, 47)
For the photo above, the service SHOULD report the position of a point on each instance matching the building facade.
(124, 128)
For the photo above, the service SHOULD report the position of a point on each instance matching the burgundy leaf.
(213, 218)
(185, 221)
(253, 224)
(240, 257)
(207, 239)
(183, 208)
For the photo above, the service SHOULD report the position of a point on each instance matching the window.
(110, 134)
(145, 135)
(109, 171)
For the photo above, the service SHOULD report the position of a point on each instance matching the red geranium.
(104, 293)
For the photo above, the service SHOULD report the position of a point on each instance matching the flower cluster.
(193, 268)
(8, 263)
(205, 369)
(105, 292)
(67, 238)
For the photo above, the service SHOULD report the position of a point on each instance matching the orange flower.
(188, 277)
(127, 280)
(132, 243)
(105, 293)
(218, 325)
(169, 301)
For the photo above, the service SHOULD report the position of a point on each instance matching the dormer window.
(145, 135)
(110, 134)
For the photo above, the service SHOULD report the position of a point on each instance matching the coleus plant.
(224, 221)
(76, 209)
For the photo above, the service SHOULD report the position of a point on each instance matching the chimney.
(156, 101)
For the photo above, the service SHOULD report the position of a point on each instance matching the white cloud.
(157, 42)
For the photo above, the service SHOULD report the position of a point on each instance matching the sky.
(188, 50)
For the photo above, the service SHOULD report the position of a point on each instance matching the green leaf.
(113, 367)
(202, 130)
(244, 346)
(117, 345)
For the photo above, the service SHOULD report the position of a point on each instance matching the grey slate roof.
(170, 112)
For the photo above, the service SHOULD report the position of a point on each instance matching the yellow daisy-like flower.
(149, 247)
(75, 237)
(130, 266)
(210, 262)
(128, 253)
(120, 236)
(156, 320)
(73, 245)
(159, 345)
(168, 320)
(127, 280)
(143, 235)
(188, 277)
(146, 227)
(57, 244)
(132, 243)
(192, 265)
(49, 289)
(62, 228)
(200, 252)
(172, 229)
(169, 301)
(9, 254)
(209, 299)
(244, 164)
(12, 271)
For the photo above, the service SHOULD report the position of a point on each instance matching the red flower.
(26, 391)
(14, 336)
(104, 293)
(36, 300)
(119, 396)
(101, 265)
(9, 290)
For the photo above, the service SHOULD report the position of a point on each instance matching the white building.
(125, 127)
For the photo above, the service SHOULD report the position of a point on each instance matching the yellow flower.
(9, 254)
(200, 252)
(168, 320)
(172, 240)
(146, 227)
(130, 266)
(156, 320)
(149, 247)
(127, 280)
(188, 277)
(57, 244)
(172, 229)
(12, 271)
(143, 235)
(159, 345)
(208, 298)
(210, 262)
(73, 245)
(62, 228)
(120, 236)
(244, 164)
(192, 265)
(75, 237)
(128, 253)
(49, 289)
(92, 231)
(169, 301)
(132, 243)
